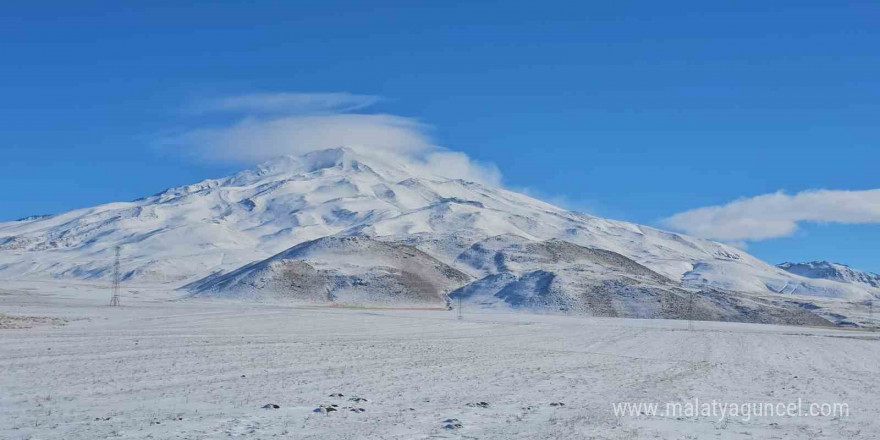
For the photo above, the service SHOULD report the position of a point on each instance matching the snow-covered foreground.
(204, 368)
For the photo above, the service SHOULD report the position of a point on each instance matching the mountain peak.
(311, 161)
(343, 159)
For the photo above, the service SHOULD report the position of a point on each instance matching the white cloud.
(254, 139)
(272, 125)
(285, 103)
(457, 165)
(778, 214)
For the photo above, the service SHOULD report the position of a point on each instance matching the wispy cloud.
(457, 165)
(284, 103)
(275, 124)
(777, 214)
(254, 139)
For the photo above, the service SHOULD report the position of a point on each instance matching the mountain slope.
(549, 276)
(555, 275)
(218, 225)
(342, 270)
(832, 271)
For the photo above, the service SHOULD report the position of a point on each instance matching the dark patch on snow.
(34, 217)
(461, 201)
(383, 192)
(451, 424)
(326, 409)
(528, 289)
(804, 305)
(339, 216)
(491, 282)
(247, 204)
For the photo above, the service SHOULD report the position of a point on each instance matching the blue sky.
(631, 110)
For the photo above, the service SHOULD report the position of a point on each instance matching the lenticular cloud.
(277, 124)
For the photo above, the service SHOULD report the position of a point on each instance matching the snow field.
(164, 368)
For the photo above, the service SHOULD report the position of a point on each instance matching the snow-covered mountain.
(217, 226)
(832, 271)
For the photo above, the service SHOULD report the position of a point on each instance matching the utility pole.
(871, 314)
(691, 311)
(114, 300)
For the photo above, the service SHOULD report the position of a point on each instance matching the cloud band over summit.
(275, 124)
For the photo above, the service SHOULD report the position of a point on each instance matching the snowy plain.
(165, 367)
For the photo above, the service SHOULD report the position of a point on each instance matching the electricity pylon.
(690, 311)
(871, 315)
(114, 300)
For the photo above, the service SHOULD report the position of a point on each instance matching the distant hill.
(832, 271)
